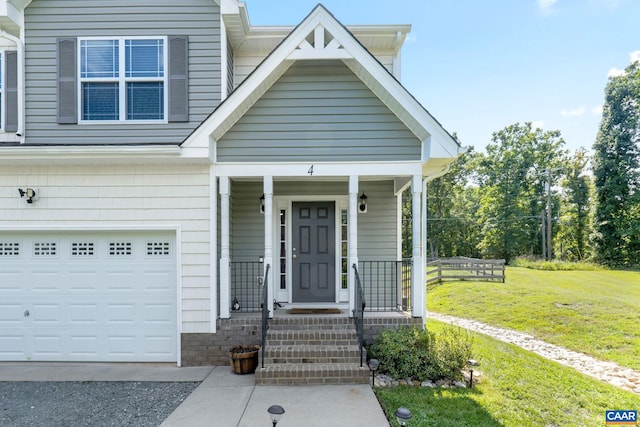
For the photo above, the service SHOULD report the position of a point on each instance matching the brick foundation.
(203, 349)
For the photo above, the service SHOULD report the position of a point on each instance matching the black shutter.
(67, 81)
(178, 79)
(11, 91)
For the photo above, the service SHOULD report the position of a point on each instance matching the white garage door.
(99, 296)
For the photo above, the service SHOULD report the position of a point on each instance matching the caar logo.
(621, 418)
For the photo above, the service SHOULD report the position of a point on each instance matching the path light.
(373, 367)
(471, 363)
(403, 415)
(275, 412)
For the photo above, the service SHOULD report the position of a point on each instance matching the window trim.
(3, 96)
(122, 80)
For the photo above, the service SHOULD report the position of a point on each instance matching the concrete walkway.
(224, 399)
(609, 372)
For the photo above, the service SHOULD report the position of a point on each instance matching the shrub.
(410, 352)
(555, 265)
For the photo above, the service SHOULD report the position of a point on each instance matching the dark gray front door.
(313, 252)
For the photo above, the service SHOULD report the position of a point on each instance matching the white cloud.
(634, 56)
(575, 112)
(615, 72)
(546, 5)
(537, 125)
(597, 110)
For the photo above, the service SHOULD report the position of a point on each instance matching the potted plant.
(244, 358)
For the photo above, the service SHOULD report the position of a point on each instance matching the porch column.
(225, 274)
(353, 239)
(418, 285)
(268, 236)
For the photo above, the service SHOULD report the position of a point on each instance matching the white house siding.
(245, 63)
(122, 197)
(46, 20)
(318, 111)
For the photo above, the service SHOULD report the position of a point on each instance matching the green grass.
(517, 388)
(593, 312)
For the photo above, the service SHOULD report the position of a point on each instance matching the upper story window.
(2, 97)
(123, 79)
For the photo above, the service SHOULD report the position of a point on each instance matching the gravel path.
(98, 404)
(609, 372)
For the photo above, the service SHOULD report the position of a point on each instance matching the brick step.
(290, 337)
(293, 323)
(312, 373)
(300, 354)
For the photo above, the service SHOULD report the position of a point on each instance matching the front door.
(313, 252)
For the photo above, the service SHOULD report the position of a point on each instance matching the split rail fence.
(463, 268)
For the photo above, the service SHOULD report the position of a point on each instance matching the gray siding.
(318, 111)
(377, 230)
(47, 20)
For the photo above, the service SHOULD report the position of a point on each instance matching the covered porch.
(316, 232)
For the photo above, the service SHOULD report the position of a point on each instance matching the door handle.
(294, 256)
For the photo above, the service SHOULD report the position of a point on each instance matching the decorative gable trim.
(321, 36)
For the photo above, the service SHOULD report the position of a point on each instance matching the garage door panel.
(90, 297)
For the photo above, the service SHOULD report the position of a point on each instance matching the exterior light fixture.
(470, 364)
(275, 412)
(31, 194)
(362, 206)
(262, 204)
(236, 305)
(373, 367)
(403, 415)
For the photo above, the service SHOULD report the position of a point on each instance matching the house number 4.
(310, 171)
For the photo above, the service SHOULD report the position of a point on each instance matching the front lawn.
(517, 388)
(593, 312)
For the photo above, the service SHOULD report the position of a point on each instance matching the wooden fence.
(463, 268)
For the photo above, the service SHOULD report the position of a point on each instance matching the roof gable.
(321, 36)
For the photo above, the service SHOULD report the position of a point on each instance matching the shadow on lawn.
(436, 407)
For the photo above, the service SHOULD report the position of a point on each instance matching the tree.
(512, 177)
(574, 226)
(615, 169)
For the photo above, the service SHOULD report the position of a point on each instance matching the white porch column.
(268, 236)
(225, 274)
(213, 251)
(418, 286)
(353, 239)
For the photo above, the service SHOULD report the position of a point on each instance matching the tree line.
(529, 196)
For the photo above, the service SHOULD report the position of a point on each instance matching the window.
(123, 79)
(9, 90)
(2, 97)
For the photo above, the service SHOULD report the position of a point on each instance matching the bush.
(555, 265)
(410, 352)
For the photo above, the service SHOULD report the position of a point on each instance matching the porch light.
(403, 415)
(373, 367)
(275, 412)
(262, 204)
(362, 207)
(471, 363)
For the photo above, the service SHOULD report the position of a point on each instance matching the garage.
(100, 296)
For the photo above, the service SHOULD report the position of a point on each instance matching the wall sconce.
(262, 204)
(31, 194)
(362, 206)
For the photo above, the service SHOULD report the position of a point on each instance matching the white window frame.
(3, 97)
(123, 80)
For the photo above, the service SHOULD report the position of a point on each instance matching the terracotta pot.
(244, 359)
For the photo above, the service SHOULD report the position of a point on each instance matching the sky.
(481, 65)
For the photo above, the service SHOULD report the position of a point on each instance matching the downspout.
(21, 77)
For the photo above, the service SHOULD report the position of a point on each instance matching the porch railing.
(265, 311)
(358, 311)
(246, 278)
(387, 284)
